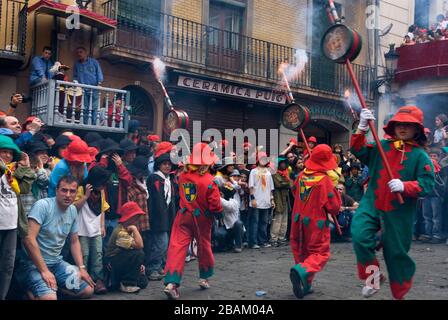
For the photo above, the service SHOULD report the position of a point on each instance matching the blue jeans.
(230, 237)
(432, 213)
(244, 217)
(92, 255)
(159, 247)
(67, 276)
(418, 219)
(90, 112)
(258, 226)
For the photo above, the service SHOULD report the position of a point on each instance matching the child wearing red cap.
(379, 209)
(199, 201)
(124, 252)
(315, 199)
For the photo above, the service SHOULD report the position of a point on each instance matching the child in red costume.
(199, 201)
(316, 198)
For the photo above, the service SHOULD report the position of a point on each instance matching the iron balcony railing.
(13, 21)
(77, 106)
(148, 33)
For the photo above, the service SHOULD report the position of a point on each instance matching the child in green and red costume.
(200, 200)
(379, 209)
(315, 199)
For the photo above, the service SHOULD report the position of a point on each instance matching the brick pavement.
(239, 276)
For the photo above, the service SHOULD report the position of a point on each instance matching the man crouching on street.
(51, 221)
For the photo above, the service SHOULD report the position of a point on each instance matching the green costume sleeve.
(425, 178)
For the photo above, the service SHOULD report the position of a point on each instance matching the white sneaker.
(187, 258)
(203, 283)
(368, 292)
(129, 289)
(172, 291)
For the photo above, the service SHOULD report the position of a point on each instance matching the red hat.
(294, 141)
(163, 147)
(79, 151)
(129, 210)
(322, 159)
(409, 114)
(153, 138)
(27, 122)
(203, 155)
(312, 139)
(247, 145)
(427, 131)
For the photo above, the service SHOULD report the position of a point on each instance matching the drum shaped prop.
(341, 43)
(175, 119)
(295, 116)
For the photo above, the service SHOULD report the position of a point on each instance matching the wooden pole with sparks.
(290, 99)
(334, 19)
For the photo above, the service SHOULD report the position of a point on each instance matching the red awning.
(87, 17)
(422, 61)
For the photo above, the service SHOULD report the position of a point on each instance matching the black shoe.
(436, 241)
(297, 285)
(425, 239)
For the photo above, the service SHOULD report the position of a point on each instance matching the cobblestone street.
(240, 276)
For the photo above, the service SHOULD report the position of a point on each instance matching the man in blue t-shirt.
(51, 221)
(40, 67)
(88, 71)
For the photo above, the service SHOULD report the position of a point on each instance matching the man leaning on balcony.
(40, 67)
(88, 71)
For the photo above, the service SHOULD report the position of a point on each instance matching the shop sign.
(331, 113)
(231, 90)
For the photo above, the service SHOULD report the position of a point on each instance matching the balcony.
(422, 61)
(63, 104)
(13, 21)
(143, 34)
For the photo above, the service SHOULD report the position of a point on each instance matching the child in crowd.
(91, 204)
(124, 254)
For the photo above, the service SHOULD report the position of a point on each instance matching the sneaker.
(128, 289)
(436, 241)
(100, 288)
(425, 239)
(238, 250)
(245, 245)
(297, 286)
(368, 291)
(172, 291)
(266, 245)
(188, 259)
(256, 246)
(203, 284)
(155, 276)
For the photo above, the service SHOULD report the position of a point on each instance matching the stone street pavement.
(240, 276)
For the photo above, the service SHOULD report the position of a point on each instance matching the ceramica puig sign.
(332, 113)
(231, 90)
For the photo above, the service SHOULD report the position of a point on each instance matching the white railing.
(78, 106)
